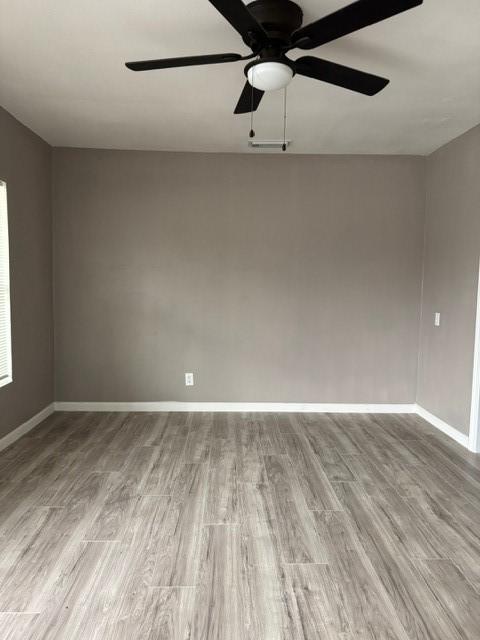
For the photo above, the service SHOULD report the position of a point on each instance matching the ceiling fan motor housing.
(279, 18)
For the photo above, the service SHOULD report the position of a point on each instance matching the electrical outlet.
(189, 380)
(437, 319)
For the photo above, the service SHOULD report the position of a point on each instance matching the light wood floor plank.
(220, 608)
(314, 483)
(199, 439)
(222, 505)
(123, 489)
(167, 615)
(298, 538)
(248, 448)
(167, 463)
(74, 611)
(368, 610)
(270, 435)
(419, 611)
(321, 605)
(407, 533)
(334, 465)
(180, 546)
(134, 569)
(454, 475)
(17, 626)
(398, 427)
(456, 594)
(236, 600)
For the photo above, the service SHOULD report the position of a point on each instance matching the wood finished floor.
(238, 526)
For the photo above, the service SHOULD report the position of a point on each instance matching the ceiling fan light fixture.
(269, 76)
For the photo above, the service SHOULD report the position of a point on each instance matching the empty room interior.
(240, 320)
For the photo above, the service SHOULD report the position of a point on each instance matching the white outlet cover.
(437, 319)
(189, 380)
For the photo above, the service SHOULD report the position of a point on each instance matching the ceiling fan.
(271, 28)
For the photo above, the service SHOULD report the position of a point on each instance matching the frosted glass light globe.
(268, 76)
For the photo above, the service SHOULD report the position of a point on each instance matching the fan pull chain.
(252, 132)
(284, 145)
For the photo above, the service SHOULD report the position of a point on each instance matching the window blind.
(5, 334)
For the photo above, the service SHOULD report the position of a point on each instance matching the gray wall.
(452, 249)
(25, 164)
(272, 278)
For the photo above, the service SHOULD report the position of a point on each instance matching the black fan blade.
(339, 75)
(351, 18)
(241, 20)
(168, 63)
(245, 103)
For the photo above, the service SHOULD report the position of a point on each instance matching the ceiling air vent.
(268, 144)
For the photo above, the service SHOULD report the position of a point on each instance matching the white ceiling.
(62, 74)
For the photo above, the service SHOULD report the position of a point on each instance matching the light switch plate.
(437, 319)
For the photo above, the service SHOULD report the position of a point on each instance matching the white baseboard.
(27, 426)
(264, 407)
(455, 434)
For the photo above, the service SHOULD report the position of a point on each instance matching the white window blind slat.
(5, 333)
